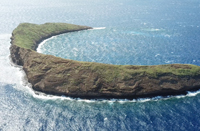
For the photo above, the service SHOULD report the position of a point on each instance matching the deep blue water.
(139, 32)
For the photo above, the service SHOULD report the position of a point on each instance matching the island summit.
(58, 76)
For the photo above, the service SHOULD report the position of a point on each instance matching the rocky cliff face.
(54, 75)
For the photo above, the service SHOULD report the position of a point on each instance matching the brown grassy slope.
(59, 76)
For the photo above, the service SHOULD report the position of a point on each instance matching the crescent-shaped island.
(90, 80)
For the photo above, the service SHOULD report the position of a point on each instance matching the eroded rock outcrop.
(58, 76)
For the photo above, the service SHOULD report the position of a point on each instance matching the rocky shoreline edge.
(90, 80)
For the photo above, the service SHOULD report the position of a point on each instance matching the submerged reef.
(58, 76)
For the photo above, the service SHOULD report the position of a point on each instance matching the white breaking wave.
(9, 74)
(98, 28)
(39, 49)
(190, 94)
(43, 96)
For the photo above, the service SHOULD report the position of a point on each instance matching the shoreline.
(39, 45)
(90, 80)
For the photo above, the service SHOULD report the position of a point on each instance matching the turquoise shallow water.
(137, 32)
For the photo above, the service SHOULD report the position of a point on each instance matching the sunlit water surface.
(136, 32)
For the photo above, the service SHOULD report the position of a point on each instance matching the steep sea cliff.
(58, 76)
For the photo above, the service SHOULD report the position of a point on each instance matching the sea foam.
(98, 28)
(40, 49)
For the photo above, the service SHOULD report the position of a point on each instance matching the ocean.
(126, 32)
